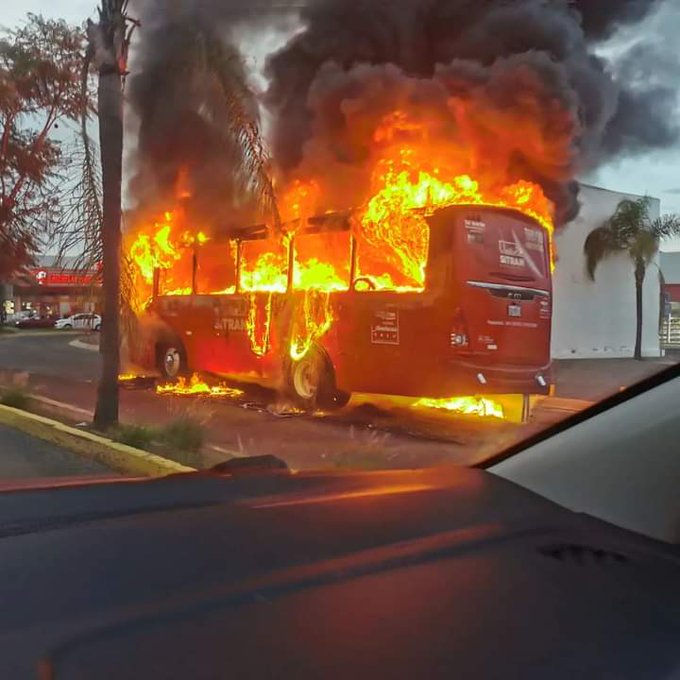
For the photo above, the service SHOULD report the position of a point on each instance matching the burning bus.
(456, 134)
(454, 299)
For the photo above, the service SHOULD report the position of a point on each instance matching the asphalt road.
(23, 456)
(48, 353)
(363, 434)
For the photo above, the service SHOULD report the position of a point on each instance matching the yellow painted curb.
(119, 457)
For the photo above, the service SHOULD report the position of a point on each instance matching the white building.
(597, 319)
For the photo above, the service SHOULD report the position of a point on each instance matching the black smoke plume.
(194, 142)
(601, 18)
(522, 55)
(354, 59)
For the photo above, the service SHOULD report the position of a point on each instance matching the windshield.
(503, 248)
(299, 237)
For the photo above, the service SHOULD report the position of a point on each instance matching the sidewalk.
(91, 339)
(89, 342)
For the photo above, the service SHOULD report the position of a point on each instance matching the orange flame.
(300, 199)
(469, 406)
(267, 273)
(155, 250)
(410, 181)
(313, 319)
(409, 184)
(258, 331)
(196, 386)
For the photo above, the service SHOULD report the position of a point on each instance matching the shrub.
(17, 397)
(181, 439)
(139, 436)
(183, 434)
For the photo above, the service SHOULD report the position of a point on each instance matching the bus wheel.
(172, 361)
(312, 382)
(306, 375)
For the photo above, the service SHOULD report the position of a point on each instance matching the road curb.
(84, 345)
(114, 455)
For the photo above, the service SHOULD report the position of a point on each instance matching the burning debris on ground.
(195, 386)
(135, 381)
(475, 406)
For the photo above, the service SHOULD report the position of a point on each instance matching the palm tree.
(108, 42)
(631, 229)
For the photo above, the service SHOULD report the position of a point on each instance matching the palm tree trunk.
(111, 141)
(640, 270)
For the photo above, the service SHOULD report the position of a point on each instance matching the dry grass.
(181, 439)
(364, 451)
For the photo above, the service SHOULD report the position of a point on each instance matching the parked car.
(36, 322)
(21, 316)
(85, 321)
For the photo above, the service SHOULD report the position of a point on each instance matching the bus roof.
(341, 221)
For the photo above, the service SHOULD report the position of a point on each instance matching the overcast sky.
(657, 174)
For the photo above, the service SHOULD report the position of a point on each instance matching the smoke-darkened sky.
(656, 173)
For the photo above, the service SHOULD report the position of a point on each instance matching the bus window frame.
(237, 264)
(157, 273)
(316, 231)
(259, 237)
(237, 289)
(259, 232)
(315, 226)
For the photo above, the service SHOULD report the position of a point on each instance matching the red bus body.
(481, 326)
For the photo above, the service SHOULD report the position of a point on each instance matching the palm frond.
(90, 176)
(78, 232)
(643, 247)
(665, 226)
(240, 122)
(629, 218)
(599, 244)
(630, 229)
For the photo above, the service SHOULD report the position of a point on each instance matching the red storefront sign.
(47, 277)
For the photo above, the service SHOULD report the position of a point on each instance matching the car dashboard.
(431, 573)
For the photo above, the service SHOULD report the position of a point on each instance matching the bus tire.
(311, 382)
(171, 359)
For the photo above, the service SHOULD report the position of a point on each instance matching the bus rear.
(495, 266)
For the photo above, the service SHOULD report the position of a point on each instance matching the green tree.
(40, 66)
(632, 230)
